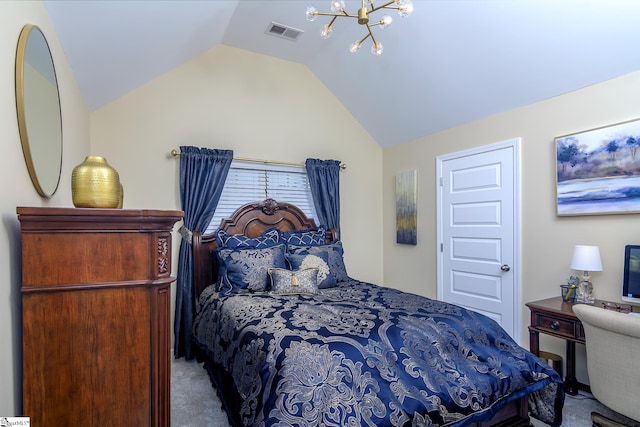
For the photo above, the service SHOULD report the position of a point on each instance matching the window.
(249, 182)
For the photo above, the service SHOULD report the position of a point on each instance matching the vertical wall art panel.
(406, 208)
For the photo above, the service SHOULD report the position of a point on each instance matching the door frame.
(514, 144)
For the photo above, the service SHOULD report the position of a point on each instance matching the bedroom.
(137, 132)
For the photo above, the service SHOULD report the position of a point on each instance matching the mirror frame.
(30, 143)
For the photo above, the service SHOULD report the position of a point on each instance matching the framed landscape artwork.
(598, 171)
(406, 209)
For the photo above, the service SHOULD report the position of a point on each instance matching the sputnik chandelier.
(404, 8)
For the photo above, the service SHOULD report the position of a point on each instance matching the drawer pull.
(555, 325)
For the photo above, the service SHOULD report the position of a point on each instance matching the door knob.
(505, 267)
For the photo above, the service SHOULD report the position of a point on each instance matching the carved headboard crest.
(270, 206)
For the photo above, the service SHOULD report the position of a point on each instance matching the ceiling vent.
(283, 31)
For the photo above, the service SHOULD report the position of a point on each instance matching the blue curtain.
(324, 179)
(203, 172)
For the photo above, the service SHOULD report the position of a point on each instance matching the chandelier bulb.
(355, 46)
(385, 21)
(312, 13)
(326, 31)
(337, 6)
(405, 7)
(377, 48)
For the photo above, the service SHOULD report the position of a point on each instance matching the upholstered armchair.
(613, 358)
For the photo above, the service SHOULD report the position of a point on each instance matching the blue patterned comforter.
(364, 355)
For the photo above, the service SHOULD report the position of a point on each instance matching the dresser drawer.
(557, 326)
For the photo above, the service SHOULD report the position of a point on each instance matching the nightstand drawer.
(580, 332)
(556, 326)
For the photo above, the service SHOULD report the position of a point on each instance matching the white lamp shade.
(586, 258)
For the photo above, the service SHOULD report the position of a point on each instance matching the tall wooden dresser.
(95, 316)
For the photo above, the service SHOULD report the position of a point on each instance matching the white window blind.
(250, 182)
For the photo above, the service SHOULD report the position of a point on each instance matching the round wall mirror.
(38, 105)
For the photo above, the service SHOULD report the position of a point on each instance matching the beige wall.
(258, 106)
(547, 240)
(17, 189)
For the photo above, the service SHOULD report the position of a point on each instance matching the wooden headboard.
(250, 220)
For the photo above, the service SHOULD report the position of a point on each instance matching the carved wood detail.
(270, 206)
(163, 255)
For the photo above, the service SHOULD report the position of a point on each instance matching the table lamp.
(586, 258)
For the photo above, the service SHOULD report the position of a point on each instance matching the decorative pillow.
(267, 239)
(335, 256)
(309, 237)
(249, 268)
(320, 261)
(285, 282)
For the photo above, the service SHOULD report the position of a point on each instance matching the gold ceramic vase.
(95, 184)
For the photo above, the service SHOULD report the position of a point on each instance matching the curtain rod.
(176, 153)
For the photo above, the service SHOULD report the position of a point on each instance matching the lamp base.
(585, 293)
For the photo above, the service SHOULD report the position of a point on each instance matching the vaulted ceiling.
(449, 63)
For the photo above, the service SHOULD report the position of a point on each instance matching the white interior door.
(478, 232)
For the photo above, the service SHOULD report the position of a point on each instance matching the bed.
(316, 347)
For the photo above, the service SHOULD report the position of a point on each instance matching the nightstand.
(555, 317)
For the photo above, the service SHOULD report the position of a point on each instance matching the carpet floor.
(195, 403)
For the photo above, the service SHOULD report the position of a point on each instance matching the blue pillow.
(320, 261)
(335, 256)
(309, 237)
(287, 282)
(248, 269)
(268, 238)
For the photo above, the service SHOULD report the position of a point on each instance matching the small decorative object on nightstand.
(569, 290)
(586, 258)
